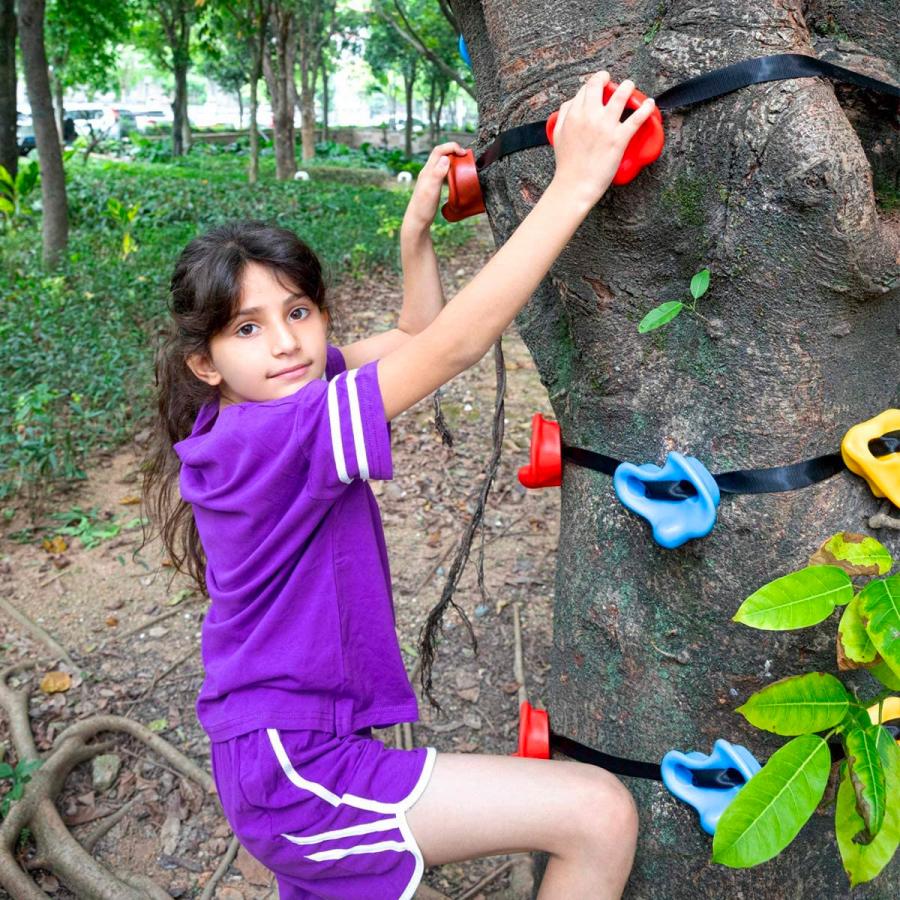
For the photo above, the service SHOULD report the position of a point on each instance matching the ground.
(107, 606)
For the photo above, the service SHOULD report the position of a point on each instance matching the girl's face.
(271, 348)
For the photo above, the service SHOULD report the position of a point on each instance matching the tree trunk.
(59, 109)
(9, 151)
(278, 65)
(240, 101)
(307, 106)
(770, 188)
(409, 82)
(179, 109)
(324, 100)
(54, 213)
(253, 170)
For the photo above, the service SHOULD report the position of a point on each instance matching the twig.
(491, 876)
(53, 578)
(227, 860)
(162, 618)
(152, 762)
(158, 678)
(107, 824)
(38, 632)
(881, 519)
(518, 659)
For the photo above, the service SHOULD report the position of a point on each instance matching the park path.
(134, 629)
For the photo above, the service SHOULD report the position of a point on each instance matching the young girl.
(271, 435)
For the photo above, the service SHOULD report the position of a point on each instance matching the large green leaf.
(853, 636)
(883, 672)
(867, 775)
(769, 811)
(864, 861)
(659, 315)
(856, 554)
(798, 705)
(797, 600)
(879, 606)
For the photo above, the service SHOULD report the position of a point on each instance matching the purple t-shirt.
(300, 631)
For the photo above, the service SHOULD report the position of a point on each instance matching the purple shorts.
(326, 814)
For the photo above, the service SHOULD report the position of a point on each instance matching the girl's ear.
(202, 366)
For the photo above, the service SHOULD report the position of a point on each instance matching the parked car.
(24, 133)
(103, 121)
(147, 118)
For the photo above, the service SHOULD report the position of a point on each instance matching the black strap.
(740, 481)
(712, 778)
(704, 87)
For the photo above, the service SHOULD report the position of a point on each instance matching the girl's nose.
(284, 339)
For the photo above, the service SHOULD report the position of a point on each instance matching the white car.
(112, 121)
(147, 118)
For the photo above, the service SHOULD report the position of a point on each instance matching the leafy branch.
(776, 803)
(665, 312)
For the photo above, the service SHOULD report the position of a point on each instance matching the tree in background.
(316, 22)
(9, 149)
(81, 38)
(278, 67)
(163, 28)
(54, 212)
(771, 189)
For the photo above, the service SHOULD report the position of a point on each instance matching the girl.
(271, 435)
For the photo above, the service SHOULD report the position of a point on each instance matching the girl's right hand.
(590, 140)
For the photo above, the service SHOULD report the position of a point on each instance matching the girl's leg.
(478, 805)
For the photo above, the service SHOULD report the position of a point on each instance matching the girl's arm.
(589, 142)
(423, 295)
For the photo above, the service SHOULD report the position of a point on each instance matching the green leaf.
(857, 717)
(856, 554)
(24, 767)
(799, 704)
(6, 207)
(879, 605)
(700, 284)
(853, 636)
(797, 600)
(883, 672)
(5, 177)
(158, 725)
(863, 862)
(769, 811)
(867, 775)
(6, 770)
(660, 315)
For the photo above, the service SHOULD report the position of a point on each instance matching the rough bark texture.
(9, 153)
(278, 65)
(54, 214)
(769, 187)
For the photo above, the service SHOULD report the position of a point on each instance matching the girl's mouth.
(289, 374)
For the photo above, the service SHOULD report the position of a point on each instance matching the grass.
(76, 346)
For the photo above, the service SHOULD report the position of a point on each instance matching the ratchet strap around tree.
(717, 83)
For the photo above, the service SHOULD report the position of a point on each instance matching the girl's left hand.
(426, 195)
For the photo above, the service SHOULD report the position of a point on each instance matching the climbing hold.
(890, 715)
(464, 52)
(544, 467)
(710, 801)
(465, 190)
(881, 472)
(534, 732)
(643, 149)
(674, 521)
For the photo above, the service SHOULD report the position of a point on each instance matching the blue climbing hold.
(674, 521)
(712, 800)
(464, 51)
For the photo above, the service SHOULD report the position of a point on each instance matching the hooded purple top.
(300, 632)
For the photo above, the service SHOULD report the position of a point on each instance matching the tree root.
(221, 869)
(57, 848)
(881, 519)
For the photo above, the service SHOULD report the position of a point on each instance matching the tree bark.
(409, 83)
(771, 189)
(181, 130)
(54, 213)
(278, 65)
(9, 150)
(324, 100)
(59, 109)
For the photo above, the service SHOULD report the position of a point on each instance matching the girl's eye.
(243, 333)
(300, 309)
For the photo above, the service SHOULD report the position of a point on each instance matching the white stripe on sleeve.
(334, 419)
(362, 460)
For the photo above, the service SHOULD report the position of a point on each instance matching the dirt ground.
(106, 604)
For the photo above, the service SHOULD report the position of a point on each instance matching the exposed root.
(41, 634)
(881, 519)
(221, 869)
(57, 849)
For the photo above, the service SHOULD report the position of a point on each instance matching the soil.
(94, 602)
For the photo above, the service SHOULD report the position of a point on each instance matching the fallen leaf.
(54, 682)
(55, 545)
(158, 725)
(112, 621)
(130, 500)
(253, 870)
(175, 599)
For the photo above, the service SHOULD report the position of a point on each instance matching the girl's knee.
(607, 813)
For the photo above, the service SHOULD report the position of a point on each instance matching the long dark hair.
(205, 294)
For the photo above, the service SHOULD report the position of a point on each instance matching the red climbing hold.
(534, 732)
(643, 149)
(465, 190)
(544, 468)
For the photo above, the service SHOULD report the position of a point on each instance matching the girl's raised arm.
(589, 140)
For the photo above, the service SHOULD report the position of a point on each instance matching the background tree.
(278, 67)
(54, 213)
(82, 38)
(164, 30)
(771, 188)
(316, 22)
(226, 62)
(9, 150)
